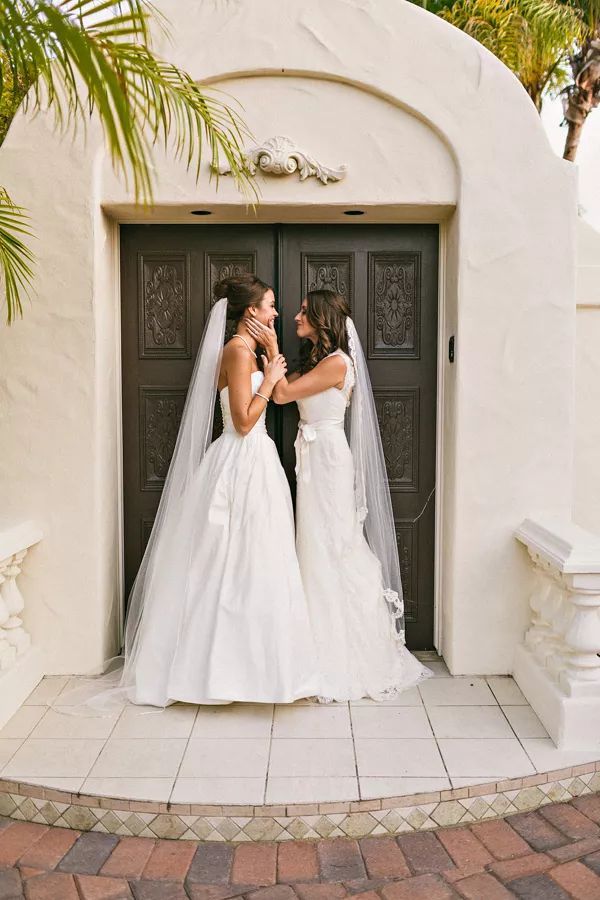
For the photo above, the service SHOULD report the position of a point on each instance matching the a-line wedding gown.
(241, 628)
(359, 652)
(217, 612)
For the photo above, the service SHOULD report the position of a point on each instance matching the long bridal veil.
(373, 500)
(163, 572)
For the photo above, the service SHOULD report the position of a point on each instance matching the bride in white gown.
(352, 582)
(217, 612)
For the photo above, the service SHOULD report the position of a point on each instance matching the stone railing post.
(558, 667)
(20, 664)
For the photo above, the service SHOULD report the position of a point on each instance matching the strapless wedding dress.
(358, 650)
(243, 633)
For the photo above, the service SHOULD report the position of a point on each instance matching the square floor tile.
(488, 758)
(438, 667)
(79, 688)
(390, 722)
(23, 722)
(374, 788)
(312, 757)
(59, 723)
(411, 697)
(458, 782)
(312, 722)
(469, 722)
(399, 758)
(240, 758)
(131, 758)
(506, 691)
(59, 784)
(240, 720)
(545, 756)
(219, 790)
(304, 789)
(157, 789)
(53, 757)
(524, 722)
(47, 690)
(456, 692)
(143, 722)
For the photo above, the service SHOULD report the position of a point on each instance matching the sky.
(588, 157)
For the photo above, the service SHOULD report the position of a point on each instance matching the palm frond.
(79, 58)
(83, 55)
(531, 37)
(16, 258)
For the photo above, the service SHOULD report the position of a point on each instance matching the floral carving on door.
(324, 272)
(164, 306)
(161, 410)
(394, 305)
(397, 414)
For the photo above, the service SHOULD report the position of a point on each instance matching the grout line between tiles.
(101, 748)
(185, 749)
(22, 741)
(354, 752)
(439, 749)
(267, 772)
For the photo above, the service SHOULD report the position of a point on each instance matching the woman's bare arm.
(245, 408)
(330, 372)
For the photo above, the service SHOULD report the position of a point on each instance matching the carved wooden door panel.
(389, 275)
(167, 275)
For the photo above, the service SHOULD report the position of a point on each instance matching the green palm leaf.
(15, 257)
(532, 37)
(84, 57)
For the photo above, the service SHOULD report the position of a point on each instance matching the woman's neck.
(243, 332)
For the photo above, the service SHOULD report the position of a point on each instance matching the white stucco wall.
(426, 121)
(586, 507)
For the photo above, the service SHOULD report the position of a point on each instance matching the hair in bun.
(241, 291)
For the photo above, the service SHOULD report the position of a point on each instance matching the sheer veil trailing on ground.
(166, 564)
(373, 500)
(166, 561)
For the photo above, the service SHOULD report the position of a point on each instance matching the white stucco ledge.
(557, 666)
(21, 665)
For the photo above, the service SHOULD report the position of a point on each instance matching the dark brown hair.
(241, 291)
(326, 312)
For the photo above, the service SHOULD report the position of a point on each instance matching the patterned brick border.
(551, 853)
(356, 819)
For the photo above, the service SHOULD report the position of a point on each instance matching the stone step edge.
(357, 818)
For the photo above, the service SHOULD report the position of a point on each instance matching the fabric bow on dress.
(306, 435)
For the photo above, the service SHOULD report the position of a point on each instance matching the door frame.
(114, 226)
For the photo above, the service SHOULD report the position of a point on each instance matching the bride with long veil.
(345, 533)
(217, 612)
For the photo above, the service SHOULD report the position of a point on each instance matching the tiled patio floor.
(449, 732)
(553, 854)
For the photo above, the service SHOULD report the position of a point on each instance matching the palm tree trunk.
(574, 132)
(583, 95)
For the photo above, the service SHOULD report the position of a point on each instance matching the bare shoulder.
(235, 353)
(334, 364)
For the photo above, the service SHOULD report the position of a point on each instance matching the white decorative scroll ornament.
(280, 156)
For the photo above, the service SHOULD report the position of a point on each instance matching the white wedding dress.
(242, 630)
(359, 652)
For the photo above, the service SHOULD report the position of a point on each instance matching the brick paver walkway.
(550, 854)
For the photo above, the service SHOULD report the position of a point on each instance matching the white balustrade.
(21, 664)
(558, 665)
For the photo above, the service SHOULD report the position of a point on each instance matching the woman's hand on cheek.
(266, 336)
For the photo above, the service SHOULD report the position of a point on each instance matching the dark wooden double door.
(388, 273)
